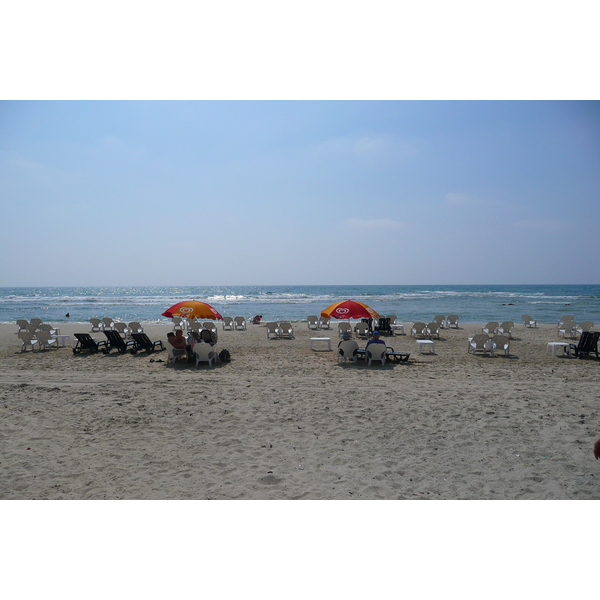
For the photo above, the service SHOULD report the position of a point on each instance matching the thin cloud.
(374, 224)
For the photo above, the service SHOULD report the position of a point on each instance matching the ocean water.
(473, 303)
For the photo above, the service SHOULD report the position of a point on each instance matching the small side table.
(63, 339)
(421, 344)
(399, 328)
(555, 345)
(320, 339)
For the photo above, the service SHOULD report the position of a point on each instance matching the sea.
(472, 303)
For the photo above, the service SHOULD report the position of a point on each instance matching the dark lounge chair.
(86, 342)
(588, 343)
(396, 356)
(143, 342)
(116, 341)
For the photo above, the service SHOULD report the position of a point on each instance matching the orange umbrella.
(349, 309)
(192, 309)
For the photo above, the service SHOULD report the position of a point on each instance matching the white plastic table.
(320, 339)
(63, 339)
(399, 328)
(555, 345)
(421, 344)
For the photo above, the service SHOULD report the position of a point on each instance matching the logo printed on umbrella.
(186, 309)
(342, 311)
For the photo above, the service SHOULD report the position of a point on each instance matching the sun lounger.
(86, 342)
(396, 356)
(115, 341)
(588, 344)
(143, 342)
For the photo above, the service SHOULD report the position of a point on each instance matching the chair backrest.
(114, 338)
(526, 318)
(418, 328)
(588, 341)
(22, 323)
(566, 318)
(348, 348)
(209, 336)
(361, 329)
(585, 326)
(136, 327)
(26, 336)
(120, 327)
(227, 322)
(324, 322)
(312, 321)
(210, 325)
(345, 326)
(177, 323)
(439, 319)
(500, 341)
(239, 321)
(45, 327)
(271, 327)
(433, 328)
(393, 319)
(36, 322)
(203, 351)
(452, 320)
(506, 326)
(285, 327)
(479, 341)
(86, 340)
(568, 326)
(376, 351)
(108, 322)
(491, 327)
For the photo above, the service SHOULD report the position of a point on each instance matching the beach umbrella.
(192, 309)
(349, 309)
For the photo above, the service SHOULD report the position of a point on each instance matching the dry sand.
(281, 421)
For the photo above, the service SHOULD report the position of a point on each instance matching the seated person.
(179, 344)
(256, 319)
(375, 339)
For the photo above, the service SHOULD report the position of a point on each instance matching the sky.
(299, 192)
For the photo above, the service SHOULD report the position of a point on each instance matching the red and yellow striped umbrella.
(349, 309)
(192, 309)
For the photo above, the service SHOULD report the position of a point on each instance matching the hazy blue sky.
(309, 192)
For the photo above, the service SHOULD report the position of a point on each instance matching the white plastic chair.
(505, 328)
(362, 330)
(568, 329)
(204, 353)
(343, 328)
(584, 326)
(239, 322)
(108, 323)
(179, 323)
(313, 322)
(418, 329)
(97, 325)
(135, 327)
(348, 349)
(528, 321)
(452, 321)
(210, 325)
(227, 323)
(272, 330)
(490, 328)
(479, 343)
(286, 330)
(45, 340)
(122, 328)
(324, 323)
(441, 319)
(28, 339)
(393, 319)
(376, 352)
(433, 329)
(501, 343)
(23, 324)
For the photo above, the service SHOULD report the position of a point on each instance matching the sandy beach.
(282, 421)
